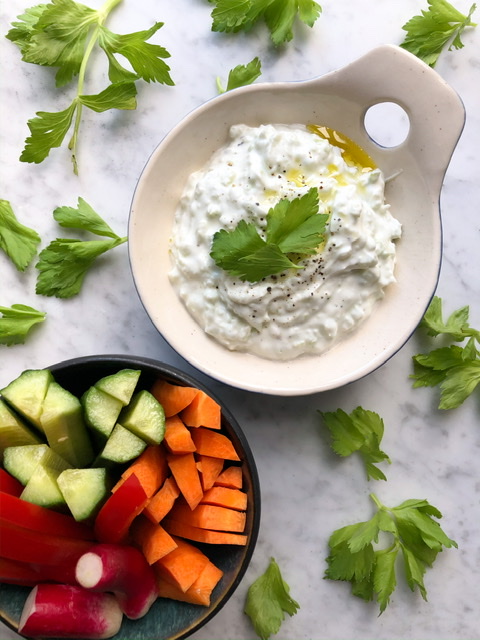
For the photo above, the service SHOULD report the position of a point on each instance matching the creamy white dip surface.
(297, 312)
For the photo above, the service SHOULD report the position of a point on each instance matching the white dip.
(301, 311)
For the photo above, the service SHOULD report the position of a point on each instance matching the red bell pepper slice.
(28, 575)
(14, 572)
(9, 484)
(118, 512)
(21, 513)
(17, 543)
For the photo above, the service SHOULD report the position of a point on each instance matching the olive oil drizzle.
(352, 153)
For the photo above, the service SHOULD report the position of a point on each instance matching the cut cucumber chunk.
(63, 424)
(120, 385)
(42, 487)
(122, 446)
(13, 430)
(145, 417)
(20, 461)
(27, 393)
(101, 411)
(84, 490)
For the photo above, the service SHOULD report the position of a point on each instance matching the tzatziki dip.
(298, 311)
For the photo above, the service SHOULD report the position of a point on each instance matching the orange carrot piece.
(210, 468)
(185, 472)
(208, 516)
(172, 397)
(202, 588)
(150, 468)
(162, 501)
(177, 436)
(225, 497)
(199, 593)
(182, 566)
(202, 411)
(152, 539)
(183, 530)
(231, 477)
(214, 444)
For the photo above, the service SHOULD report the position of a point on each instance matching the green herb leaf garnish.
(294, 229)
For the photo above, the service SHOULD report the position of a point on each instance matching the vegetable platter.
(117, 541)
(308, 490)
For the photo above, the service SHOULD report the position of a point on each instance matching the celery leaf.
(18, 241)
(17, 321)
(356, 554)
(268, 600)
(431, 31)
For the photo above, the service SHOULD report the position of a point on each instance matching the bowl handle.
(436, 113)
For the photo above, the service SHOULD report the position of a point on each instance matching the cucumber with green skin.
(101, 411)
(27, 393)
(109, 415)
(42, 486)
(84, 490)
(63, 424)
(121, 447)
(13, 430)
(20, 461)
(120, 385)
(145, 417)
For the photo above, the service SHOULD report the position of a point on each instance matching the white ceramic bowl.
(338, 100)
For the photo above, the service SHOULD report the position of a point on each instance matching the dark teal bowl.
(167, 619)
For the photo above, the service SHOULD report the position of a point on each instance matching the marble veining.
(307, 490)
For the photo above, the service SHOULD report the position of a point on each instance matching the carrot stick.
(202, 411)
(186, 476)
(162, 501)
(225, 497)
(210, 468)
(152, 539)
(182, 530)
(172, 397)
(231, 477)
(207, 516)
(177, 436)
(150, 468)
(212, 443)
(201, 590)
(182, 566)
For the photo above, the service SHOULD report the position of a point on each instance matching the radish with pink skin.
(66, 611)
(123, 570)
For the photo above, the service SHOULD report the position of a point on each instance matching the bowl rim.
(176, 374)
(376, 358)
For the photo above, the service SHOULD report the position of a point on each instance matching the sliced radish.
(123, 570)
(66, 611)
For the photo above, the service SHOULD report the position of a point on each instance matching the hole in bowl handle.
(436, 113)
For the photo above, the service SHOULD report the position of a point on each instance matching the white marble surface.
(307, 491)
